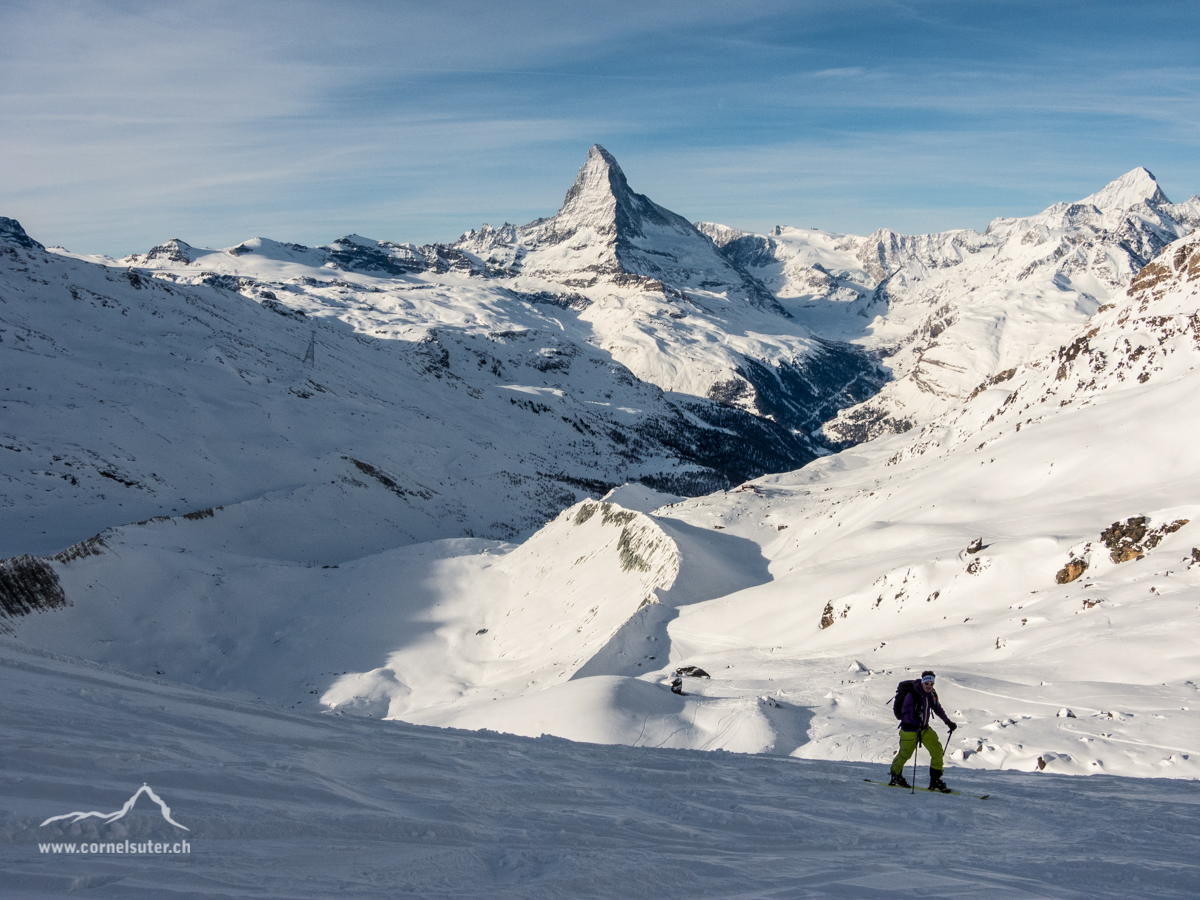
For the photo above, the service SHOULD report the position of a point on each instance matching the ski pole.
(916, 753)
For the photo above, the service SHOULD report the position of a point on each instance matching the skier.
(915, 701)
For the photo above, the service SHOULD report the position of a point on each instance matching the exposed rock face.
(11, 232)
(173, 250)
(1071, 571)
(1154, 330)
(1124, 538)
(27, 584)
(1132, 538)
(30, 584)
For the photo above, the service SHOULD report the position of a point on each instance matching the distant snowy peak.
(885, 252)
(11, 232)
(1132, 214)
(1132, 189)
(952, 309)
(1132, 210)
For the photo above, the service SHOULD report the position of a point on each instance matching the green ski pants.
(908, 744)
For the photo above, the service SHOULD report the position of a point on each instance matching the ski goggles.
(926, 679)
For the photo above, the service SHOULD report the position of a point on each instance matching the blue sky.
(127, 123)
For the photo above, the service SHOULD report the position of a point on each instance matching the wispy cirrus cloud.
(128, 122)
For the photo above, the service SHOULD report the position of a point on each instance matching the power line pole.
(310, 356)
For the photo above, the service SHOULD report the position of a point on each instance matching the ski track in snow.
(288, 805)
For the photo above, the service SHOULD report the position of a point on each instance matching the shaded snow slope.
(948, 310)
(283, 804)
(127, 396)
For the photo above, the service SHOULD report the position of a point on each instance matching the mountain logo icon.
(120, 813)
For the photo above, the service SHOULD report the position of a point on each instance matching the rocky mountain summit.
(12, 234)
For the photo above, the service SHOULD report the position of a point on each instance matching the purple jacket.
(918, 705)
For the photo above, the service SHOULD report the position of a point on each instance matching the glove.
(953, 728)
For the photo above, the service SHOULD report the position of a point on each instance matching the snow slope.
(1032, 538)
(942, 548)
(282, 804)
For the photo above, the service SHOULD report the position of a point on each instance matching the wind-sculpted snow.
(543, 610)
(470, 633)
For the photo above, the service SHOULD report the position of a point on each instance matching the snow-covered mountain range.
(414, 521)
(611, 268)
(949, 310)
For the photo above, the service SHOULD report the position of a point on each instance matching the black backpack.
(903, 689)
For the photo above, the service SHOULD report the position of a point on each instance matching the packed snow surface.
(285, 804)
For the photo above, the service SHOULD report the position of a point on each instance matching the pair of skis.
(928, 790)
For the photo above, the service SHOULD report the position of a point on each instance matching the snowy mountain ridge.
(605, 231)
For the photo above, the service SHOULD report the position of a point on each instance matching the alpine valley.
(519, 481)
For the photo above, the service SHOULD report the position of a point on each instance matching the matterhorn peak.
(1134, 188)
(601, 199)
(607, 232)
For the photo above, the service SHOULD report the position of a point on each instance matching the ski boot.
(936, 783)
(899, 781)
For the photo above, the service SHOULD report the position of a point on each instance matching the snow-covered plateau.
(287, 528)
